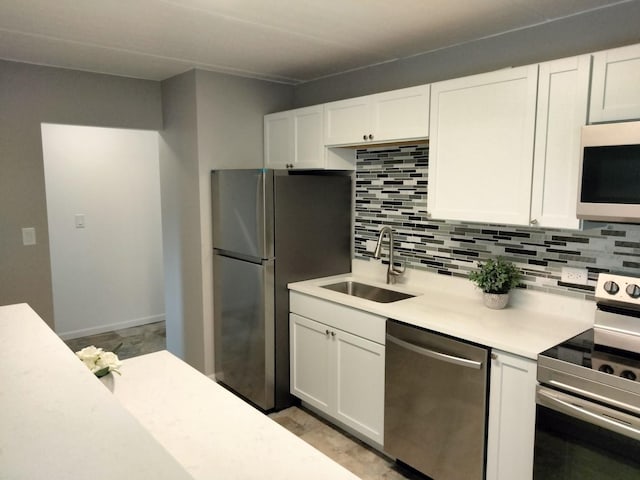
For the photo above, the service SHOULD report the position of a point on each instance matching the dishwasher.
(435, 402)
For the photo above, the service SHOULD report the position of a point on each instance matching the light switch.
(29, 236)
(79, 218)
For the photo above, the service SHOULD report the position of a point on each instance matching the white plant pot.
(495, 301)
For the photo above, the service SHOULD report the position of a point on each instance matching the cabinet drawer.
(348, 319)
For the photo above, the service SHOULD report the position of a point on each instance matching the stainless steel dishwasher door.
(435, 403)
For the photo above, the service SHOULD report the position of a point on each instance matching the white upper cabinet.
(308, 146)
(278, 140)
(294, 140)
(347, 121)
(563, 97)
(400, 114)
(481, 146)
(397, 115)
(615, 87)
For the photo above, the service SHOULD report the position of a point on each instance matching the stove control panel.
(614, 365)
(620, 288)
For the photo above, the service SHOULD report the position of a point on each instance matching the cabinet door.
(278, 140)
(310, 357)
(308, 143)
(400, 114)
(359, 384)
(512, 415)
(563, 95)
(481, 146)
(615, 89)
(347, 121)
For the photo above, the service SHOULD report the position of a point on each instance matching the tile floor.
(354, 455)
(135, 340)
(349, 452)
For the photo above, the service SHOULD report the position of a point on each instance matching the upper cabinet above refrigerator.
(293, 140)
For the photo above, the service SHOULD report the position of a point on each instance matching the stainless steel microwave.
(609, 180)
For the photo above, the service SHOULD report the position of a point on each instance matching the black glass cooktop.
(587, 350)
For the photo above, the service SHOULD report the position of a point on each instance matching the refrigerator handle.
(261, 213)
(265, 214)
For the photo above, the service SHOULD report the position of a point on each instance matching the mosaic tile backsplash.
(391, 189)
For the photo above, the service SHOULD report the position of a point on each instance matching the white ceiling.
(290, 41)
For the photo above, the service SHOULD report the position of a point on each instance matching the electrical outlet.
(577, 276)
(29, 236)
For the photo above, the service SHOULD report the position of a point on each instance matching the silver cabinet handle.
(576, 408)
(463, 362)
(533, 221)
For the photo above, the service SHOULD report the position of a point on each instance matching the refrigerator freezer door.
(242, 208)
(243, 328)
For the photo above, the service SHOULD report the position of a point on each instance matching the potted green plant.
(496, 278)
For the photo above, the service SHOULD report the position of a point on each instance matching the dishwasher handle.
(463, 362)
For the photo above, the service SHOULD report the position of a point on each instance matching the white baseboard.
(136, 322)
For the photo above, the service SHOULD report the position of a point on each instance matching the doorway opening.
(105, 228)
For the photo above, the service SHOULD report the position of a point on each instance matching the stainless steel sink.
(369, 292)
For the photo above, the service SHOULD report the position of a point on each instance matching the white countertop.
(533, 322)
(211, 432)
(164, 420)
(57, 421)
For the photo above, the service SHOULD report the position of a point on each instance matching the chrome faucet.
(392, 272)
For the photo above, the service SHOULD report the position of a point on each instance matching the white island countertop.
(534, 321)
(210, 431)
(162, 419)
(57, 420)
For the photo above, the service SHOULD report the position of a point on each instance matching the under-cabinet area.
(434, 380)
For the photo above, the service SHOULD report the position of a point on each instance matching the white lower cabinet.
(359, 384)
(310, 361)
(340, 374)
(512, 415)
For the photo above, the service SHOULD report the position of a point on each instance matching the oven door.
(577, 439)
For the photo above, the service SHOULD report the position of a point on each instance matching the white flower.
(98, 361)
(89, 353)
(108, 359)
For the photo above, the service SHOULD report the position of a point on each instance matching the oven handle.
(463, 362)
(579, 409)
(594, 396)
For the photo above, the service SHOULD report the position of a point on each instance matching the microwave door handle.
(581, 413)
(463, 362)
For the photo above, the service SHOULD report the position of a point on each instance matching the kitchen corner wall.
(211, 121)
(391, 189)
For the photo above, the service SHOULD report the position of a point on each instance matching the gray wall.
(29, 96)
(589, 32)
(212, 121)
(178, 198)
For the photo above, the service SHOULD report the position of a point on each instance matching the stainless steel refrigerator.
(270, 228)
